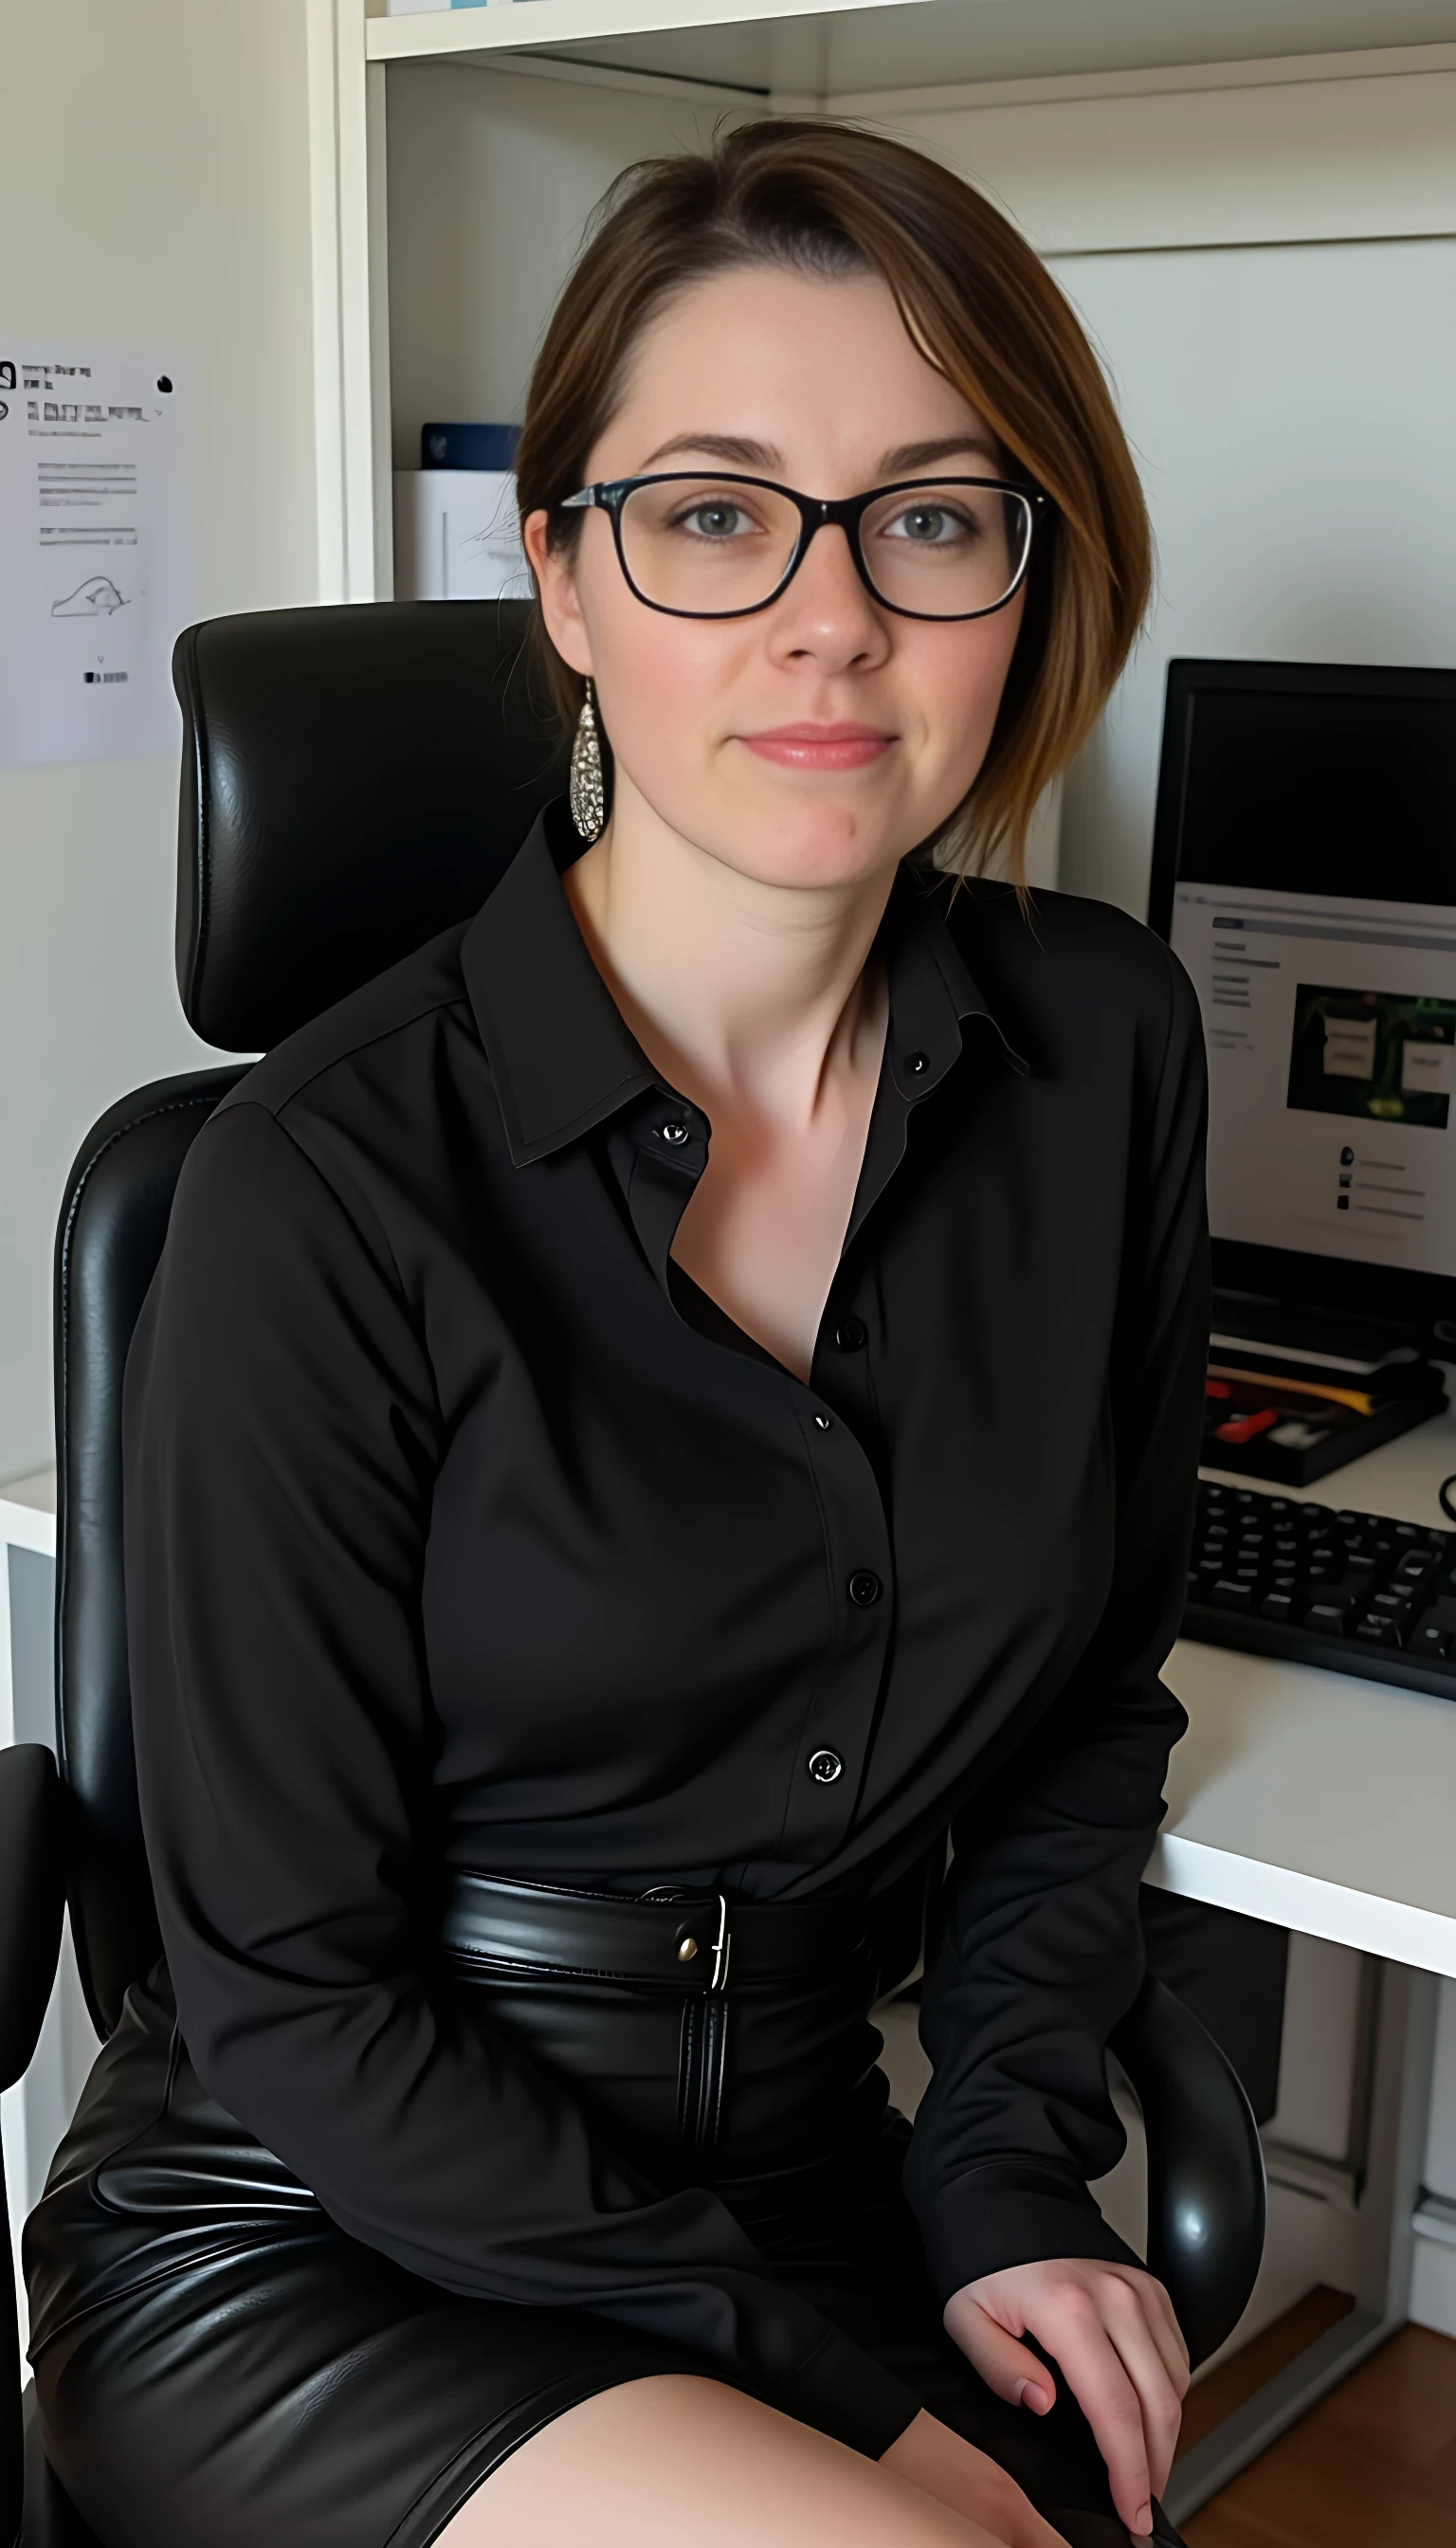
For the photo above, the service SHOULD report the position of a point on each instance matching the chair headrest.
(354, 779)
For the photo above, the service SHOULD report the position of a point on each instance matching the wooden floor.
(1372, 2466)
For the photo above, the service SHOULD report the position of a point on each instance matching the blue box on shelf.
(467, 446)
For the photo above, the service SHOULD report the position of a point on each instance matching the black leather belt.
(689, 1943)
(695, 1955)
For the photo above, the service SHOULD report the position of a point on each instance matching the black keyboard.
(1351, 1592)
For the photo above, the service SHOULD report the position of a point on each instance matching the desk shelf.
(895, 41)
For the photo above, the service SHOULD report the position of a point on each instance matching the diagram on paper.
(93, 600)
(94, 551)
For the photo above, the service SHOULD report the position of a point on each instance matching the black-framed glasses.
(714, 545)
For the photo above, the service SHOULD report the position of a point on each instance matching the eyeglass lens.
(705, 545)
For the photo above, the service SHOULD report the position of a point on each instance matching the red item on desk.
(1242, 1429)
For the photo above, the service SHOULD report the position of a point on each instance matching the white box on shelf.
(457, 537)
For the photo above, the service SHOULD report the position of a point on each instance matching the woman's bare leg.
(662, 2461)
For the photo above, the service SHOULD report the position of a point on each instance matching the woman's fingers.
(1162, 2326)
(1113, 2333)
(1135, 2334)
(1099, 2381)
(1010, 2369)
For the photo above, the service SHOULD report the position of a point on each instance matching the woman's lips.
(820, 747)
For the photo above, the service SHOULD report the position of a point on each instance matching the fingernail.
(1143, 2526)
(1029, 2395)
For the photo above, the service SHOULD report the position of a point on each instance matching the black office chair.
(354, 780)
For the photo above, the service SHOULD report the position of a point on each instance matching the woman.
(654, 1415)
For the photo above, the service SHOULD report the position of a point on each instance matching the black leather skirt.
(216, 2361)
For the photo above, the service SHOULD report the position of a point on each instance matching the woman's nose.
(827, 610)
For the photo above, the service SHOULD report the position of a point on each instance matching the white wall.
(154, 187)
(1294, 412)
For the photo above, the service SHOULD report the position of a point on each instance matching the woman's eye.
(715, 521)
(930, 525)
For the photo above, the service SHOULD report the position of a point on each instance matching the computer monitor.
(1304, 872)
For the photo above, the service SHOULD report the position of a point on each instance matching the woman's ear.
(556, 584)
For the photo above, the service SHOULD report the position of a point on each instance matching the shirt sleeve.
(1040, 1952)
(281, 1439)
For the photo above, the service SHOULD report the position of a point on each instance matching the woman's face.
(816, 741)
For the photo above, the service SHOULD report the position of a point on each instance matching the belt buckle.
(722, 1948)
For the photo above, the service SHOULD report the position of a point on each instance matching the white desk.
(1318, 1801)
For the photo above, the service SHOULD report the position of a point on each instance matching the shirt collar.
(563, 1056)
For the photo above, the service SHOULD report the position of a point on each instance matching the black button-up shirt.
(462, 1522)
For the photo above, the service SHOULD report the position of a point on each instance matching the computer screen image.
(1304, 873)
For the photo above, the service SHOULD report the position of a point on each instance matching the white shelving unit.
(1128, 125)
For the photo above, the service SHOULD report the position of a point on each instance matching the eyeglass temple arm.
(575, 503)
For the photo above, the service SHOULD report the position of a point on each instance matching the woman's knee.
(673, 2455)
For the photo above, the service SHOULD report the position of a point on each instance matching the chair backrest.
(353, 781)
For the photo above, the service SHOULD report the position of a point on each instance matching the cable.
(1444, 1492)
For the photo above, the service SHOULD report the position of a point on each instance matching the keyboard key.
(1378, 1632)
(1233, 1596)
(1278, 1606)
(1327, 1616)
(1395, 1605)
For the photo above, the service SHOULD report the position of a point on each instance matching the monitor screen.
(1304, 873)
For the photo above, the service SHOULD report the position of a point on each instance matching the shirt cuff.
(1013, 2212)
(843, 2392)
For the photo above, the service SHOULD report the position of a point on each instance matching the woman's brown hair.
(831, 199)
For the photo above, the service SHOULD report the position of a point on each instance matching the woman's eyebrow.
(925, 455)
(740, 452)
(732, 447)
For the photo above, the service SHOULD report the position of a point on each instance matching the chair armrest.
(32, 1899)
(1205, 2191)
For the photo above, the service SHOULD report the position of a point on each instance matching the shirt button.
(824, 1767)
(917, 1063)
(823, 1424)
(674, 1133)
(864, 1587)
(850, 1335)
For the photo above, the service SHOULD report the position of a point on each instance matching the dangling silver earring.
(589, 788)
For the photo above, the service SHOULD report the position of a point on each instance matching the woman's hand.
(929, 2455)
(1114, 2335)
